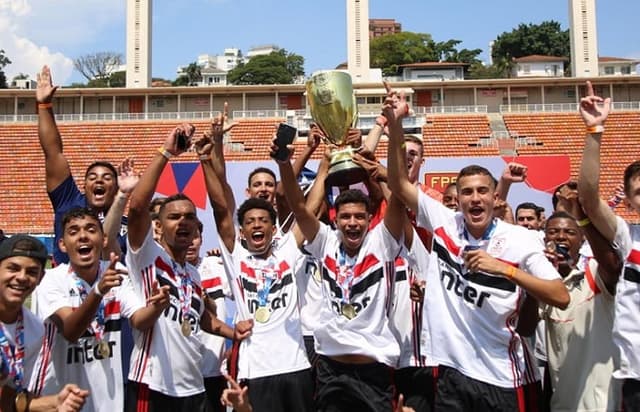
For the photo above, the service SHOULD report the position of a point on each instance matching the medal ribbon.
(97, 324)
(345, 275)
(265, 276)
(185, 293)
(486, 236)
(12, 357)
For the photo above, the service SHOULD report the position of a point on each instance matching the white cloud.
(53, 32)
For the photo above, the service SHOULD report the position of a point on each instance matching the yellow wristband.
(511, 272)
(595, 129)
(164, 152)
(584, 222)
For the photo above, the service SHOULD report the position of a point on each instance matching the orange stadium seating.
(563, 133)
(26, 208)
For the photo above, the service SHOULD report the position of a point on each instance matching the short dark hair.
(80, 213)
(630, 172)
(352, 196)
(102, 163)
(560, 215)
(260, 170)
(416, 140)
(174, 198)
(570, 184)
(529, 206)
(473, 170)
(256, 203)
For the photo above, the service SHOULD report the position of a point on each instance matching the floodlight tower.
(584, 38)
(138, 43)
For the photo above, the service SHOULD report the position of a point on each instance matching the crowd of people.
(391, 297)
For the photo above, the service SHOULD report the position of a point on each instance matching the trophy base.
(345, 173)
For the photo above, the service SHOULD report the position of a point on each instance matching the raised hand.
(315, 136)
(591, 113)
(395, 106)
(112, 277)
(160, 297)
(274, 148)
(171, 142)
(203, 144)
(128, 177)
(515, 172)
(45, 88)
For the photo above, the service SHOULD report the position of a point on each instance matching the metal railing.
(450, 109)
(560, 107)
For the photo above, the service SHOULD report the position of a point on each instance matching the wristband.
(595, 129)
(164, 152)
(45, 105)
(96, 290)
(584, 222)
(204, 157)
(511, 272)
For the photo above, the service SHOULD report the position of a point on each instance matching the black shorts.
(417, 386)
(214, 386)
(286, 392)
(457, 392)
(353, 387)
(139, 398)
(631, 395)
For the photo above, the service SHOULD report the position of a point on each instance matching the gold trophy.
(334, 110)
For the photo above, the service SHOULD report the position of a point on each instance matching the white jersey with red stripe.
(473, 316)
(309, 281)
(162, 357)
(406, 316)
(214, 283)
(267, 287)
(33, 331)
(367, 333)
(626, 325)
(61, 362)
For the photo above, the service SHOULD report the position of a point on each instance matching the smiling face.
(100, 187)
(257, 229)
(19, 276)
(565, 231)
(179, 223)
(352, 220)
(476, 198)
(83, 240)
(263, 186)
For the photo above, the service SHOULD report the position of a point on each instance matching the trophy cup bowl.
(333, 109)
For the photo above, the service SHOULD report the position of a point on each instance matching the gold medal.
(316, 275)
(22, 401)
(103, 349)
(185, 328)
(348, 311)
(262, 314)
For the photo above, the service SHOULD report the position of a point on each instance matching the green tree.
(4, 61)
(390, 51)
(546, 38)
(190, 76)
(115, 79)
(278, 67)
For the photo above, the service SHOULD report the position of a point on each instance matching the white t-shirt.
(33, 333)
(406, 316)
(162, 357)
(368, 333)
(79, 362)
(276, 345)
(309, 280)
(626, 326)
(473, 316)
(580, 350)
(214, 283)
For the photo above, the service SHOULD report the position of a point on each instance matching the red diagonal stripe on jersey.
(160, 264)
(211, 283)
(448, 242)
(514, 264)
(634, 256)
(283, 268)
(331, 264)
(247, 270)
(367, 263)
(112, 307)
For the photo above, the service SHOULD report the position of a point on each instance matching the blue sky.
(35, 32)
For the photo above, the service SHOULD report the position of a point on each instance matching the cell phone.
(564, 252)
(284, 137)
(182, 142)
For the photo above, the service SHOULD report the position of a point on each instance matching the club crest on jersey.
(497, 246)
